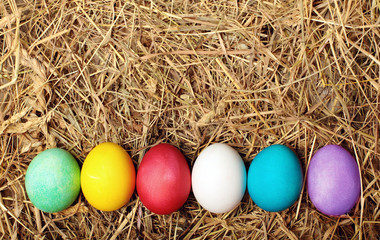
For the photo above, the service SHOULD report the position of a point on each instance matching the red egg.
(163, 179)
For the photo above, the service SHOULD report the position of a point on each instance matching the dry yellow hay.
(249, 73)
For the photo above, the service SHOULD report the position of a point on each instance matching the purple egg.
(333, 180)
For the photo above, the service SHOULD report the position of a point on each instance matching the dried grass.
(249, 73)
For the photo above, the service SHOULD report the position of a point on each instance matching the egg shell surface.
(52, 180)
(108, 177)
(219, 178)
(333, 180)
(275, 178)
(163, 179)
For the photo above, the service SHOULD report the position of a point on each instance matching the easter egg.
(52, 180)
(219, 178)
(333, 180)
(163, 179)
(275, 178)
(108, 177)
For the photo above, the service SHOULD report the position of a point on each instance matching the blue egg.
(275, 178)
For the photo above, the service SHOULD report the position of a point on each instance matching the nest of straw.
(248, 73)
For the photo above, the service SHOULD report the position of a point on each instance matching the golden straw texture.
(249, 73)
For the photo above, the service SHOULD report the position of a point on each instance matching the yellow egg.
(108, 177)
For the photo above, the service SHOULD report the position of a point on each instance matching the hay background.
(249, 73)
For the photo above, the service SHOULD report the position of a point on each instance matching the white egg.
(219, 178)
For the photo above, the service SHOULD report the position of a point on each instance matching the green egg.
(52, 180)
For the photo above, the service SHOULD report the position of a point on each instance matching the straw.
(74, 74)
